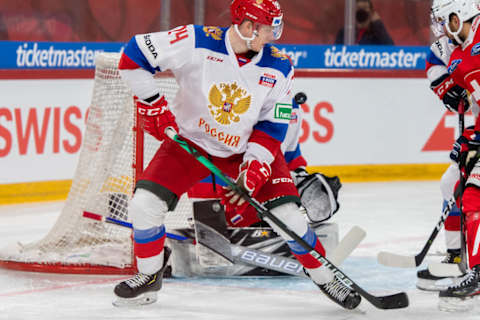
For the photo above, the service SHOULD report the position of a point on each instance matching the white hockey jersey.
(222, 107)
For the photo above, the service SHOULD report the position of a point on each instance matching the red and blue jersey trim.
(133, 52)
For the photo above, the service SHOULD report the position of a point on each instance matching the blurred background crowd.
(306, 21)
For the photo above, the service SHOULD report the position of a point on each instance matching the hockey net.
(114, 152)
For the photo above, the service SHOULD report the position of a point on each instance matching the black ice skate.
(459, 297)
(429, 282)
(339, 293)
(142, 288)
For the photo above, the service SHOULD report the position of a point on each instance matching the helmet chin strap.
(456, 34)
(247, 39)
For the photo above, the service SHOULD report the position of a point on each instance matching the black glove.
(452, 98)
(469, 153)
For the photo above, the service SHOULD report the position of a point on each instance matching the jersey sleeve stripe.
(291, 155)
(133, 52)
(432, 59)
(277, 131)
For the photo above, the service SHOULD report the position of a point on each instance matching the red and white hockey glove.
(253, 175)
(156, 117)
(450, 93)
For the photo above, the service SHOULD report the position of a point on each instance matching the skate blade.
(455, 304)
(143, 299)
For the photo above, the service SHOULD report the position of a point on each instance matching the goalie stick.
(406, 261)
(395, 301)
(255, 257)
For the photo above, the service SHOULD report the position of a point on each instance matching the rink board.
(362, 126)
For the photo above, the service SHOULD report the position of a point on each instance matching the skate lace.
(467, 279)
(139, 280)
(337, 290)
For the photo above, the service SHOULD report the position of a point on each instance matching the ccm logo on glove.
(152, 111)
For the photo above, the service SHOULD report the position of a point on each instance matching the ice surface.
(398, 216)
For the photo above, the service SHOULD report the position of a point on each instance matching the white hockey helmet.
(443, 9)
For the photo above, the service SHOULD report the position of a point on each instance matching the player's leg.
(469, 286)
(425, 280)
(157, 191)
(280, 195)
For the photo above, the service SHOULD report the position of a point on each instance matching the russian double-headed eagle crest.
(214, 32)
(228, 102)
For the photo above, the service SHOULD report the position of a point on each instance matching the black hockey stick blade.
(394, 301)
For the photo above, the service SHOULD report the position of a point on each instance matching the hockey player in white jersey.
(234, 106)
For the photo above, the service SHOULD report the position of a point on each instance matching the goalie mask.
(318, 194)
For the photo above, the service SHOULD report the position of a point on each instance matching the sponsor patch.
(454, 65)
(283, 111)
(267, 80)
(475, 49)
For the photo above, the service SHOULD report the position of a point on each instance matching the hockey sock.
(148, 213)
(452, 227)
(302, 255)
(148, 248)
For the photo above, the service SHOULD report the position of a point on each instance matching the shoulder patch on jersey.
(212, 38)
(275, 59)
(475, 49)
(454, 65)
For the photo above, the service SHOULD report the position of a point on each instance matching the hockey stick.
(463, 251)
(126, 224)
(405, 261)
(395, 301)
(257, 258)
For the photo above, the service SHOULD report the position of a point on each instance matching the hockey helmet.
(464, 9)
(266, 12)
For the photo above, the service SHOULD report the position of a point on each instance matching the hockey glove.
(469, 152)
(156, 117)
(253, 175)
(318, 194)
(450, 93)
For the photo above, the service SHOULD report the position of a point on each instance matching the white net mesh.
(103, 183)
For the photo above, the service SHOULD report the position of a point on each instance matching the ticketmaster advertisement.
(349, 120)
(67, 55)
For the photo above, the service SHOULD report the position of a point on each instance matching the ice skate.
(142, 288)
(428, 282)
(460, 297)
(339, 293)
